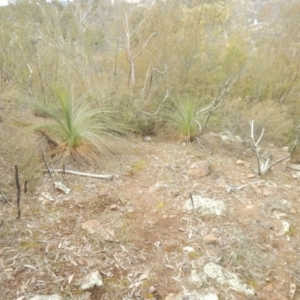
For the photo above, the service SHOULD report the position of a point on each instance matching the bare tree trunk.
(131, 57)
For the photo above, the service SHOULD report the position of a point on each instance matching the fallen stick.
(237, 188)
(101, 176)
(18, 191)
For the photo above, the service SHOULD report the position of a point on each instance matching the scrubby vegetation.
(147, 70)
(78, 81)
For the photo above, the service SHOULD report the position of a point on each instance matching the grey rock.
(199, 169)
(197, 278)
(45, 197)
(61, 187)
(226, 136)
(238, 138)
(105, 232)
(224, 277)
(205, 206)
(91, 280)
(210, 239)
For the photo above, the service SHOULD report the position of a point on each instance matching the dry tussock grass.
(279, 126)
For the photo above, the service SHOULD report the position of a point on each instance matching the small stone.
(249, 207)
(152, 289)
(147, 138)
(285, 228)
(238, 139)
(268, 225)
(210, 239)
(137, 294)
(91, 280)
(158, 186)
(196, 278)
(255, 187)
(130, 209)
(114, 207)
(105, 232)
(188, 249)
(61, 187)
(296, 175)
(240, 163)
(226, 136)
(199, 169)
(222, 184)
(153, 188)
(103, 194)
(251, 175)
(266, 192)
(186, 269)
(293, 210)
(174, 297)
(46, 197)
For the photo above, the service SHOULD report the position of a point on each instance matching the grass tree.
(181, 119)
(80, 129)
(188, 119)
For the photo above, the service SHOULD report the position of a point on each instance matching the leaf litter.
(47, 251)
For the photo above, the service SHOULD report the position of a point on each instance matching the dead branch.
(18, 191)
(215, 104)
(240, 187)
(263, 167)
(156, 112)
(145, 44)
(160, 72)
(143, 91)
(48, 170)
(101, 176)
(132, 57)
(293, 149)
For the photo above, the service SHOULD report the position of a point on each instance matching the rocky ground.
(176, 222)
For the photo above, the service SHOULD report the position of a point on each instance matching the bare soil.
(47, 251)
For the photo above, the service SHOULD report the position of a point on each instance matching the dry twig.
(101, 176)
(263, 167)
(215, 104)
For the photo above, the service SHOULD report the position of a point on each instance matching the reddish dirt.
(47, 251)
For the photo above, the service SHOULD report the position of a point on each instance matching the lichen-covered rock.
(91, 280)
